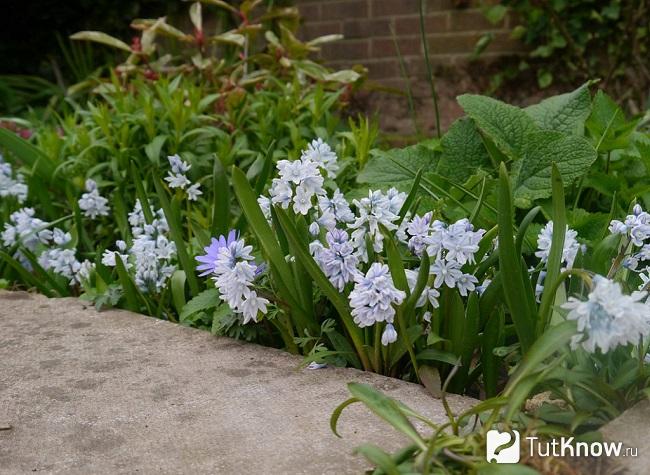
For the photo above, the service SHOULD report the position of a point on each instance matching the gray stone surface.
(114, 392)
(631, 428)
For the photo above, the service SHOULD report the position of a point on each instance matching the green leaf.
(546, 345)
(378, 458)
(336, 415)
(205, 300)
(433, 354)
(573, 156)
(103, 38)
(30, 155)
(516, 294)
(25, 276)
(386, 408)
(463, 152)
(564, 113)
(554, 261)
(176, 231)
(177, 283)
(505, 125)
(399, 165)
(260, 227)
(152, 150)
(340, 303)
(129, 288)
(220, 199)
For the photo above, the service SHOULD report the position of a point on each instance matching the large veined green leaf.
(505, 125)
(565, 113)
(573, 156)
(399, 165)
(463, 152)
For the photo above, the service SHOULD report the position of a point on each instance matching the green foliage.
(572, 41)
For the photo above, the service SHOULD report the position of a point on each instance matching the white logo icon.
(502, 447)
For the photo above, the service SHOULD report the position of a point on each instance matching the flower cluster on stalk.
(177, 178)
(609, 318)
(51, 247)
(635, 247)
(11, 185)
(91, 203)
(151, 253)
(230, 263)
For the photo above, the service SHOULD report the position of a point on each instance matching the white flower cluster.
(177, 178)
(10, 186)
(63, 261)
(342, 236)
(91, 203)
(234, 274)
(636, 230)
(450, 247)
(608, 318)
(151, 253)
(50, 246)
(373, 297)
(569, 251)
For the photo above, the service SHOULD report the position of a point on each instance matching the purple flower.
(208, 261)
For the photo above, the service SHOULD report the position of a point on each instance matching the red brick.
(385, 47)
(310, 12)
(384, 69)
(471, 20)
(453, 44)
(344, 9)
(360, 28)
(433, 23)
(314, 30)
(349, 49)
(393, 7)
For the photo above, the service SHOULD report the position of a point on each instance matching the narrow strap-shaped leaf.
(325, 285)
(140, 193)
(554, 261)
(410, 198)
(130, 291)
(177, 282)
(220, 199)
(380, 459)
(510, 267)
(176, 232)
(387, 409)
(25, 276)
(31, 155)
(260, 227)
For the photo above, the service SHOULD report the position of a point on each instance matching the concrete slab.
(115, 392)
(631, 428)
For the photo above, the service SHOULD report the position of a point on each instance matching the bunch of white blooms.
(338, 259)
(177, 178)
(10, 186)
(569, 251)
(63, 261)
(299, 182)
(378, 208)
(636, 230)
(373, 299)
(234, 273)
(321, 153)
(609, 318)
(151, 253)
(91, 203)
(24, 228)
(449, 246)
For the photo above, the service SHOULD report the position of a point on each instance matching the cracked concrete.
(115, 392)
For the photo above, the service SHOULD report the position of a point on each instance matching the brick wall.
(453, 28)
